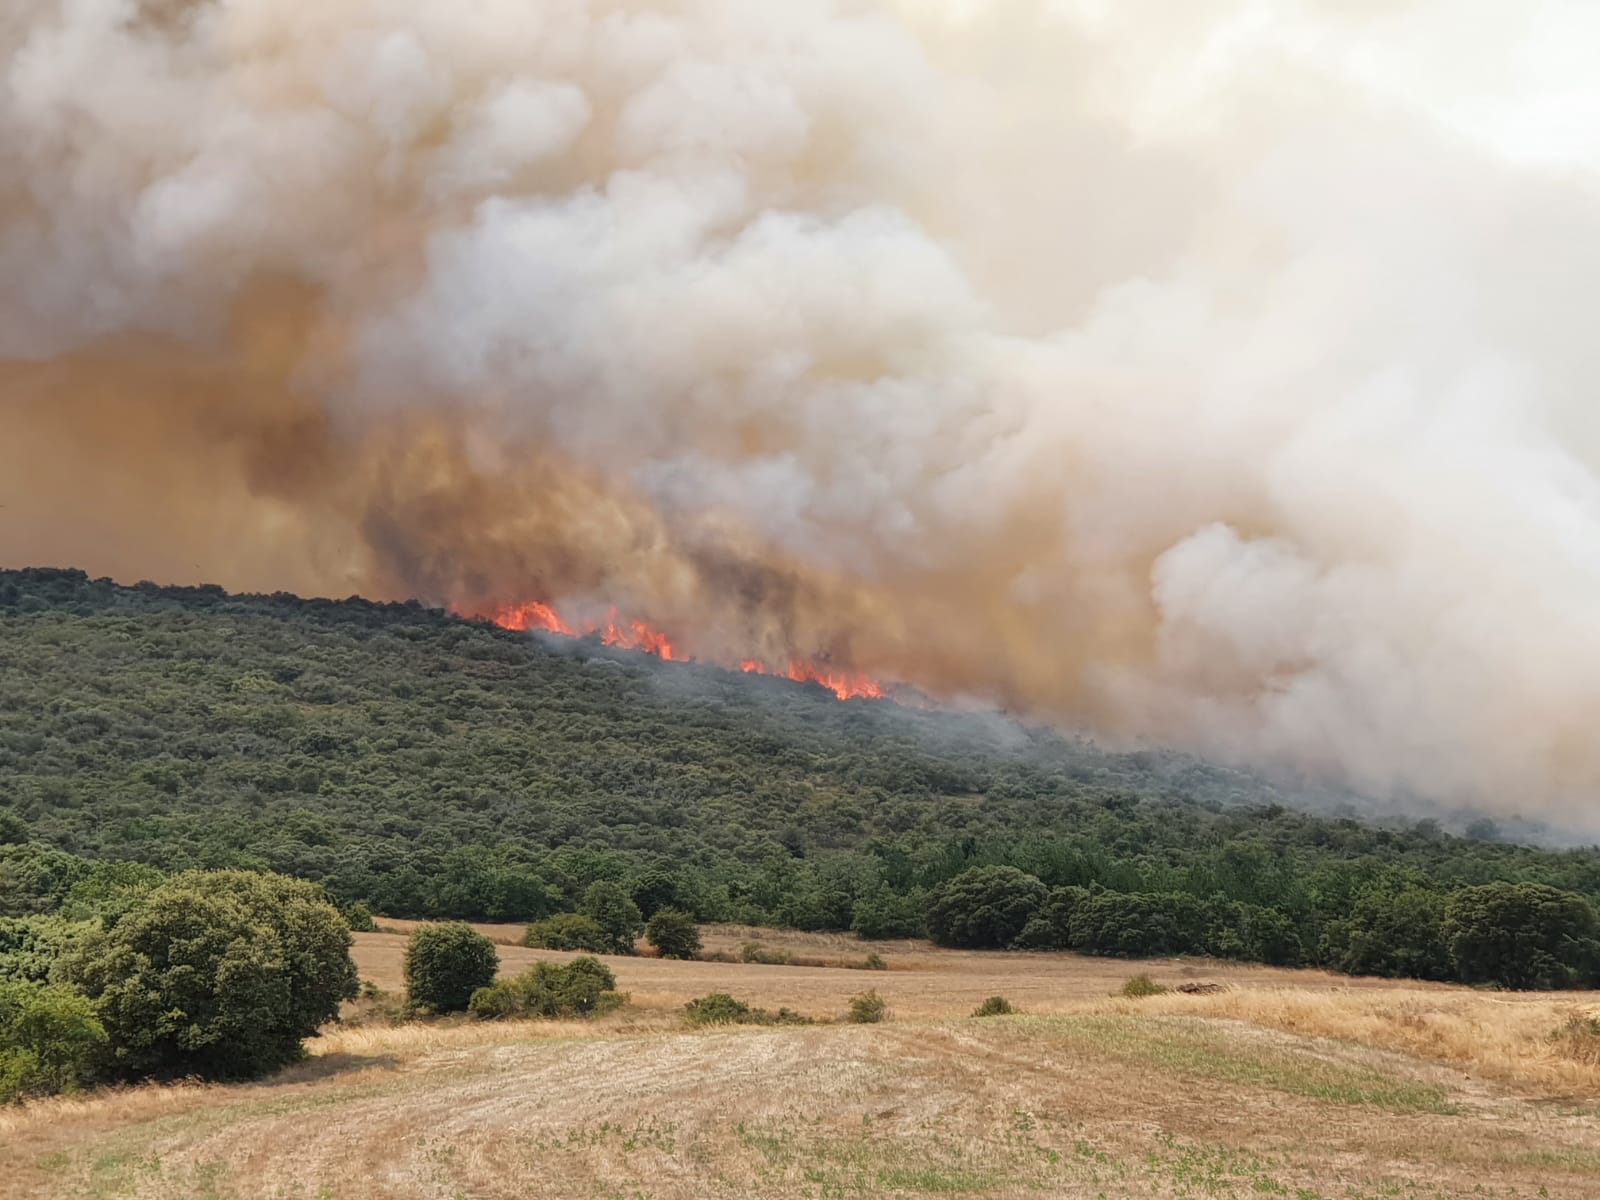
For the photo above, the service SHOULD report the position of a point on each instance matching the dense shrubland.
(425, 766)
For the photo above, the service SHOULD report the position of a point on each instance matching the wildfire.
(636, 635)
(847, 685)
(630, 635)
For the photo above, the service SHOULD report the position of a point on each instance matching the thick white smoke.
(1217, 371)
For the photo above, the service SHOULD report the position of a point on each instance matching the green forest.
(422, 765)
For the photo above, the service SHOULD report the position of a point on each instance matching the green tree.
(610, 907)
(984, 908)
(655, 890)
(673, 934)
(218, 974)
(1392, 930)
(1523, 935)
(1051, 927)
(13, 829)
(886, 914)
(50, 1040)
(446, 964)
(567, 931)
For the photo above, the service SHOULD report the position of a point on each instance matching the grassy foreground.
(1288, 1084)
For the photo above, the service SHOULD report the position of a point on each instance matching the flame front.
(847, 685)
(629, 635)
(533, 615)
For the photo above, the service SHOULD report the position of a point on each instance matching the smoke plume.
(1214, 371)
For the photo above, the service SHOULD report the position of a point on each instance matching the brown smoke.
(1211, 372)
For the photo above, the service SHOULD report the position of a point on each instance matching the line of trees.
(1514, 935)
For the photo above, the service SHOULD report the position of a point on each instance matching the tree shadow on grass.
(332, 1066)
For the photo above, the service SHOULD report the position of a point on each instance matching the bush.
(567, 931)
(719, 1008)
(218, 974)
(1141, 986)
(673, 934)
(585, 987)
(613, 910)
(868, 1009)
(995, 1006)
(1578, 1038)
(360, 919)
(446, 964)
(50, 1040)
(755, 952)
(1523, 935)
(984, 908)
(874, 962)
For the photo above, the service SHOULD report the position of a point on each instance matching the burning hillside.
(1237, 398)
(636, 635)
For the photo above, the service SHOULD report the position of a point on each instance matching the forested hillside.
(432, 766)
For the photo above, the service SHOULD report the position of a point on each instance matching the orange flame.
(532, 615)
(636, 635)
(629, 635)
(847, 685)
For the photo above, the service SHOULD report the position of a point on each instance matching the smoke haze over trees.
(1213, 373)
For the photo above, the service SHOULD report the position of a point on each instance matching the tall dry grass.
(1528, 1042)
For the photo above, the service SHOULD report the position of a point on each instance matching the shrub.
(874, 962)
(218, 974)
(986, 907)
(613, 910)
(868, 1009)
(719, 1008)
(567, 931)
(755, 952)
(1578, 1038)
(1141, 986)
(673, 934)
(1523, 935)
(585, 987)
(360, 919)
(446, 964)
(994, 1006)
(50, 1040)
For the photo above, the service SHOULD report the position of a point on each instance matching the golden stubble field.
(1289, 1083)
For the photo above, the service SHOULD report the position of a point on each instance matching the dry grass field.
(1288, 1084)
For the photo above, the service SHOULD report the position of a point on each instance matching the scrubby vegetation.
(995, 1006)
(719, 1008)
(585, 987)
(425, 766)
(868, 1009)
(567, 931)
(1140, 986)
